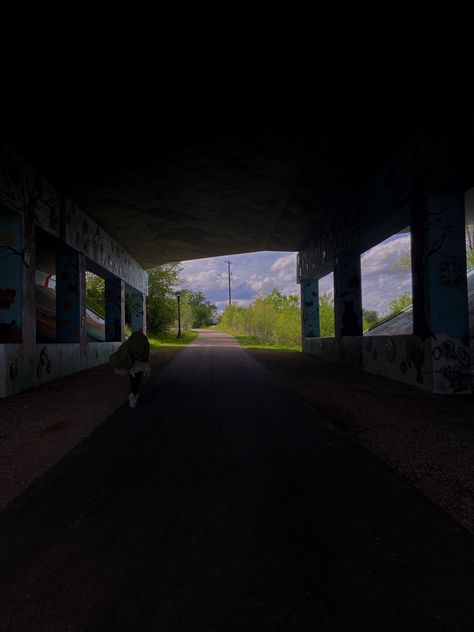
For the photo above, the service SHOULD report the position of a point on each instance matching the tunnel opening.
(252, 295)
(386, 282)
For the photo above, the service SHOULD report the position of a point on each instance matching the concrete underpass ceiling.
(177, 183)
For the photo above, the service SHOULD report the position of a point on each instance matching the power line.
(229, 274)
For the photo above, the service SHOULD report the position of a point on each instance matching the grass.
(251, 342)
(170, 340)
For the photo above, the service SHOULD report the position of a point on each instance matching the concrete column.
(347, 295)
(138, 301)
(11, 278)
(310, 308)
(440, 299)
(114, 310)
(70, 297)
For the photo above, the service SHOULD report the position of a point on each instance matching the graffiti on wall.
(401, 358)
(451, 365)
(44, 363)
(83, 234)
(330, 240)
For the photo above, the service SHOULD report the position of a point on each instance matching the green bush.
(273, 319)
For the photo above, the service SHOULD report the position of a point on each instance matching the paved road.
(224, 502)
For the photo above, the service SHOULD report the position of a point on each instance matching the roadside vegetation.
(162, 306)
(271, 322)
(170, 340)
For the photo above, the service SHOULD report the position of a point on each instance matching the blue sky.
(259, 272)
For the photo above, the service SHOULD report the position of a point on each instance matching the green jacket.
(136, 348)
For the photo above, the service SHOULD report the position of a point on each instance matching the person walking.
(131, 359)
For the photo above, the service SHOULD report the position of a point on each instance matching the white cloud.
(258, 273)
(385, 255)
(252, 275)
(286, 264)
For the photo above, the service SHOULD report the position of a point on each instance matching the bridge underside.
(329, 177)
(203, 175)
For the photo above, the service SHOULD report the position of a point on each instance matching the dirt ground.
(427, 438)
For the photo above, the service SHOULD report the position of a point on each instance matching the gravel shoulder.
(427, 438)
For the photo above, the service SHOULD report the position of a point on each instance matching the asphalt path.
(226, 502)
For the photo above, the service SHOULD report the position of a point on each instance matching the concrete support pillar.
(70, 297)
(138, 301)
(310, 308)
(11, 278)
(347, 295)
(114, 310)
(440, 299)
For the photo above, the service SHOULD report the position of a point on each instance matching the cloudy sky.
(258, 273)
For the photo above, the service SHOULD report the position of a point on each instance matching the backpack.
(121, 358)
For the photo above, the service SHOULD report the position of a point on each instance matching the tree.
(95, 293)
(161, 301)
(274, 318)
(204, 312)
(370, 318)
(326, 315)
(399, 303)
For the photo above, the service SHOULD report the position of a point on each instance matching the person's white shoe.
(132, 400)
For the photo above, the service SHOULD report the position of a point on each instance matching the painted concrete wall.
(20, 370)
(434, 365)
(29, 201)
(422, 184)
(24, 191)
(399, 358)
(87, 237)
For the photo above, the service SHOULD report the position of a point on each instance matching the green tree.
(161, 301)
(95, 293)
(204, 312)
(326, 315)
(274, 318)
(369, 318)
(399, 303)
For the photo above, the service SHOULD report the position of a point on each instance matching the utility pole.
(230, 274)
